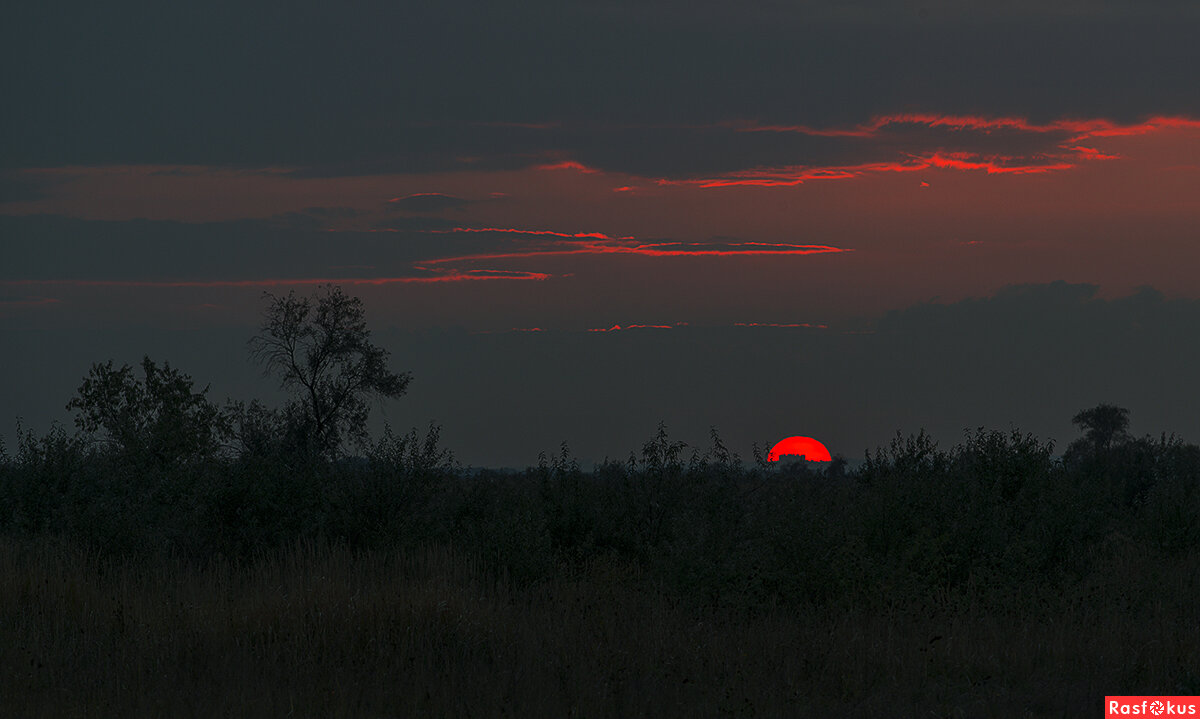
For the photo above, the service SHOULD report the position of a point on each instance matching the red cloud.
(808, 325)
(619, 328)
(514, 231)
(789, 176)
(1062, 153)
(598, 243)
(1079, 128)
(568, 165)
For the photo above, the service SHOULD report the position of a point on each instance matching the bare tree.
(321, 349)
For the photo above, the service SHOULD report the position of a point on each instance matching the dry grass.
(325, 632)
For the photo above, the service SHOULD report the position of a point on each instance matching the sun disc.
(806, 447)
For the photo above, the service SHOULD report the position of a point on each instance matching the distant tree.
(1104, 426)
(321, 349)
(159, 418)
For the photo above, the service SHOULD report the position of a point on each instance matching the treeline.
(155, 467)
(997, 516)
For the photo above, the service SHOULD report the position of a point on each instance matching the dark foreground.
(325, 632)
(993, 579)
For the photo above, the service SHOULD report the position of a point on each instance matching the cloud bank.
(652, 91)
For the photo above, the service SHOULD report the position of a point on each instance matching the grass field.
(330, 632)
(992, 579)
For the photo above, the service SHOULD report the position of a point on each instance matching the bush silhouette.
(158, 419)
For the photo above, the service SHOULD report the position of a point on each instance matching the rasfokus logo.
(1150, 706)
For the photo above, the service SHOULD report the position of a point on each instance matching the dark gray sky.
(843, 218)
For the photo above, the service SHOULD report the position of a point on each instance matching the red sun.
(809, 448)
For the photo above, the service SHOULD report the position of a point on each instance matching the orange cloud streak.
(966, 161)
(606, 245)
(1067, 156)
(619, 328)
(1081, 128)
(790, 176)
(568, 165)
(514, 231)
(808, 325)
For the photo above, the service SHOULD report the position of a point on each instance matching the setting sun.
(806, 447)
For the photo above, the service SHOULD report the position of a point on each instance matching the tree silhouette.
(321, 349)
(1104, 426)
(159, 418)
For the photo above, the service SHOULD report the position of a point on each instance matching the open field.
(319, 631)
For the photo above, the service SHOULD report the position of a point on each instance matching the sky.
(574, 221)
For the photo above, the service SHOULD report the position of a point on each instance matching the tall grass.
(314, 630)
(990, 579)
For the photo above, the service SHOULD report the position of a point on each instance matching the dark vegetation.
(172, 552)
